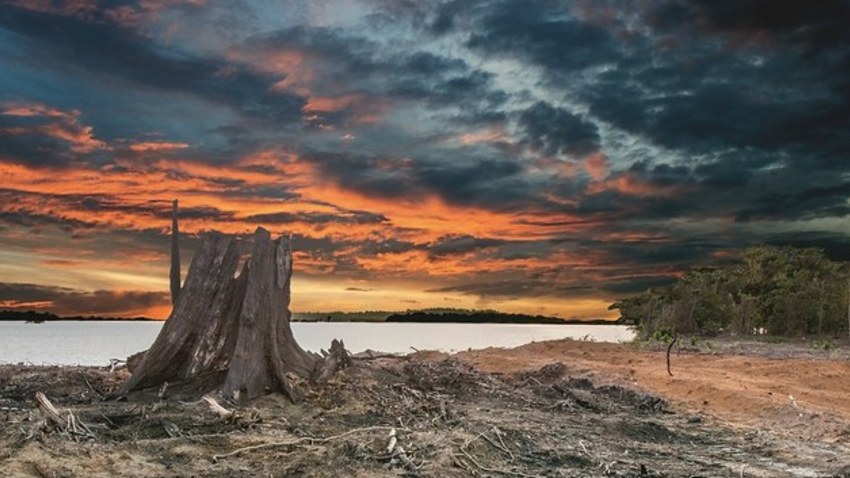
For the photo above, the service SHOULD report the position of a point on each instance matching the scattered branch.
(300, 440)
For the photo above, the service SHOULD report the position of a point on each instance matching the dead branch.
(49, 411)
(69, 425)
(488, 469)
(670, 347)
(300, 440)
(95, 392)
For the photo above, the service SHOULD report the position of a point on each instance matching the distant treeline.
(363, 316)
(482, 317)
(781, 291)
(38, 317)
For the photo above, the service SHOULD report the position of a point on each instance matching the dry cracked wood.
(231, 332)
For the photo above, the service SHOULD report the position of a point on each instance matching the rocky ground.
(462, 415)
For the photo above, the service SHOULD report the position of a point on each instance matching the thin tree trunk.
(175, 255)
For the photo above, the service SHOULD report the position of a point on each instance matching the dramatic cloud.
(543, 157)
(104, 303)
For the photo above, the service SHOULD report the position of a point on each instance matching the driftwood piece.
(216, 407)
(49, 411)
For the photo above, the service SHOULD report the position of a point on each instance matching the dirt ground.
(554, 409)
(792, 389)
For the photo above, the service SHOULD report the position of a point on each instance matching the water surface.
(94, 343)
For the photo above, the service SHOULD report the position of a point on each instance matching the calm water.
(94, 343)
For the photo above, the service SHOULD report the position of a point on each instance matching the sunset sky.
(539, 157)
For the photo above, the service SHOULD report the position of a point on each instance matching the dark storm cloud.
(347, 217)
(673, 254)
(813, 27)
(75, 302)
(459, 176)
(351, 63)
(555, 131)
(35, 220)
(701, 112)
(754, 74)
(835, 245)
(546, 35)
(805, 204)
(635, 285)
(158, 209)
(454, 245)
(743, 86)
(70, 42)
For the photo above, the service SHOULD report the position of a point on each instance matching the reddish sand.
(742, 390)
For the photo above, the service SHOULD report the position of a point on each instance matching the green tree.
(771, 290)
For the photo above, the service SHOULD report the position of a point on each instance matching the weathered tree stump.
(231, 333)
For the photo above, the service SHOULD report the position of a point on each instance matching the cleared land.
(562, 408)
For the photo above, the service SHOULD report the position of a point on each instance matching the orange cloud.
(488, 135)
(631, 185)
(65, 126)
(135, 195)
(23, 305)
(596, 165)
(293, 67)
(156, 147)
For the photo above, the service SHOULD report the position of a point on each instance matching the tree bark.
(232, 333)
(175, 255)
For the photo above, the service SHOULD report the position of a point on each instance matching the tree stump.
(231, 333)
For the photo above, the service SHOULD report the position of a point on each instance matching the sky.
(543, 157)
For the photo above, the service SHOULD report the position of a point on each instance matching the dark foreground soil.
(450, 419)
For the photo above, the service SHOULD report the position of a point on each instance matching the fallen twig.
(495, 470)
(98, 394)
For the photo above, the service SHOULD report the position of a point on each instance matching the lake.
(94, 343)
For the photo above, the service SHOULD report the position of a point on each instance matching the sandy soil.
(755, 385)
(553, 409)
